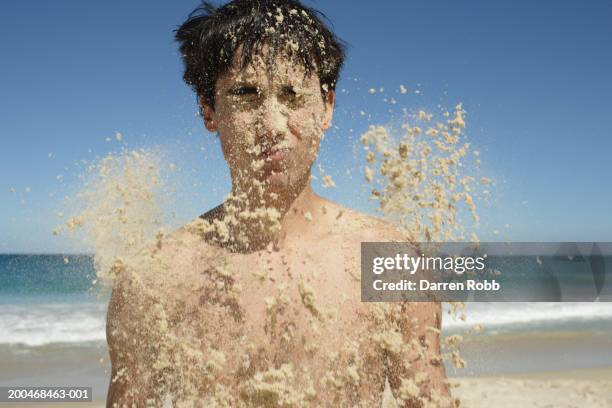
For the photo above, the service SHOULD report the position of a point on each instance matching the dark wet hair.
(211, 35)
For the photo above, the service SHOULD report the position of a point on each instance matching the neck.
(265, 220)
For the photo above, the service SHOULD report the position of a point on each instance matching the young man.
(257, 303)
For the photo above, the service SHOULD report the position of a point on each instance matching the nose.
(274, 122)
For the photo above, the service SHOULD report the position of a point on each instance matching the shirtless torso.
(283, 326)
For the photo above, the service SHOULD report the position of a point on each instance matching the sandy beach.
(568, 388)
(590, 388)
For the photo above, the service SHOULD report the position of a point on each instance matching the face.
(270, 122)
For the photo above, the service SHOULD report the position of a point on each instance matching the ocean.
(47, 299)
(52, 328)
(52, 325)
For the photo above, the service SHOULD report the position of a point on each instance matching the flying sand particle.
(328, 181)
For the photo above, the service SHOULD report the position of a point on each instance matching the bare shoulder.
(182, 248)
(151, 277)
(362, 227)
(156, 275)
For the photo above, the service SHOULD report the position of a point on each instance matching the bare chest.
(291, 321)
(268, 308)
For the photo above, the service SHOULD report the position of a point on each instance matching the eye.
(292, 97)
(245, 90)
(288, 92)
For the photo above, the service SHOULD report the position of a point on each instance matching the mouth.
(276, 161)
(275, 155)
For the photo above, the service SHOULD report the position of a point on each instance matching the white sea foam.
(39, 324)
(527, 313)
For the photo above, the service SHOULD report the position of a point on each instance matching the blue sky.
(532, 76)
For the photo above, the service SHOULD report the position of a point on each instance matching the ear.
(208, 114)
(329, 109)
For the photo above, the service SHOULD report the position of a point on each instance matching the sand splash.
(119, 207)
(168, 357)
(422, 184)
(419, 179)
